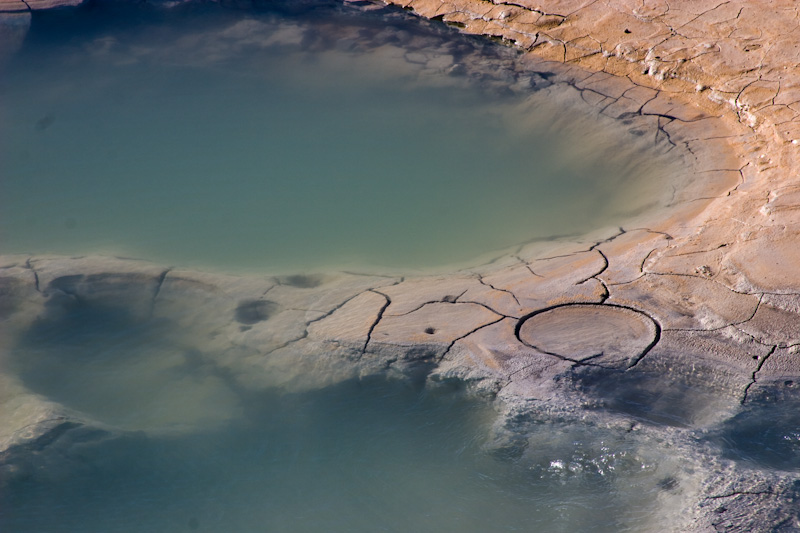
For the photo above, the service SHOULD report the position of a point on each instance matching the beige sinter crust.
(730, 273)
(707, 293)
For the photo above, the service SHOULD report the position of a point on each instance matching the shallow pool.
(256, 140)
(173, 443)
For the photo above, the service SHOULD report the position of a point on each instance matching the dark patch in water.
(543, 74)
(66, 284)
(766, 434)
(69, 321)
(668, 483)
(45, 122)
(302, 281)
(254, 311)
(645, 397)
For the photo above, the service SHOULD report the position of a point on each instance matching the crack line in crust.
(633, 360)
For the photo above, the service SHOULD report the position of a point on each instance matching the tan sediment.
(723, 77)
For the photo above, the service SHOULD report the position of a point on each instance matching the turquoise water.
(183, 447)
(357, 457)
(257, 141)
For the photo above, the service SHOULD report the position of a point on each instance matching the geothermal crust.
(705, 294)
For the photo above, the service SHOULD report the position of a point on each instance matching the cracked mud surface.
(705, 294)
(591, 334)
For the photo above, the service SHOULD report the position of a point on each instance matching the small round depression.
(600, 333)
(120, 369)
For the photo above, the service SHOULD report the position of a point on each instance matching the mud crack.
(377, 320)
(464, 336)
(29, 266)
(754, 377)
(596, 334)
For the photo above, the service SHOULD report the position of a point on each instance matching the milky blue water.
(253, 141)
(177, 445)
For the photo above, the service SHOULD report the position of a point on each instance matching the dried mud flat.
(703, 298)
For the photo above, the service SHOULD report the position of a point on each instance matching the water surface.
(174, 442)
(763, 435)
(260, 141)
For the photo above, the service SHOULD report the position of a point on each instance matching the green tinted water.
(251, 141)
(372, 457)
(185, 448)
